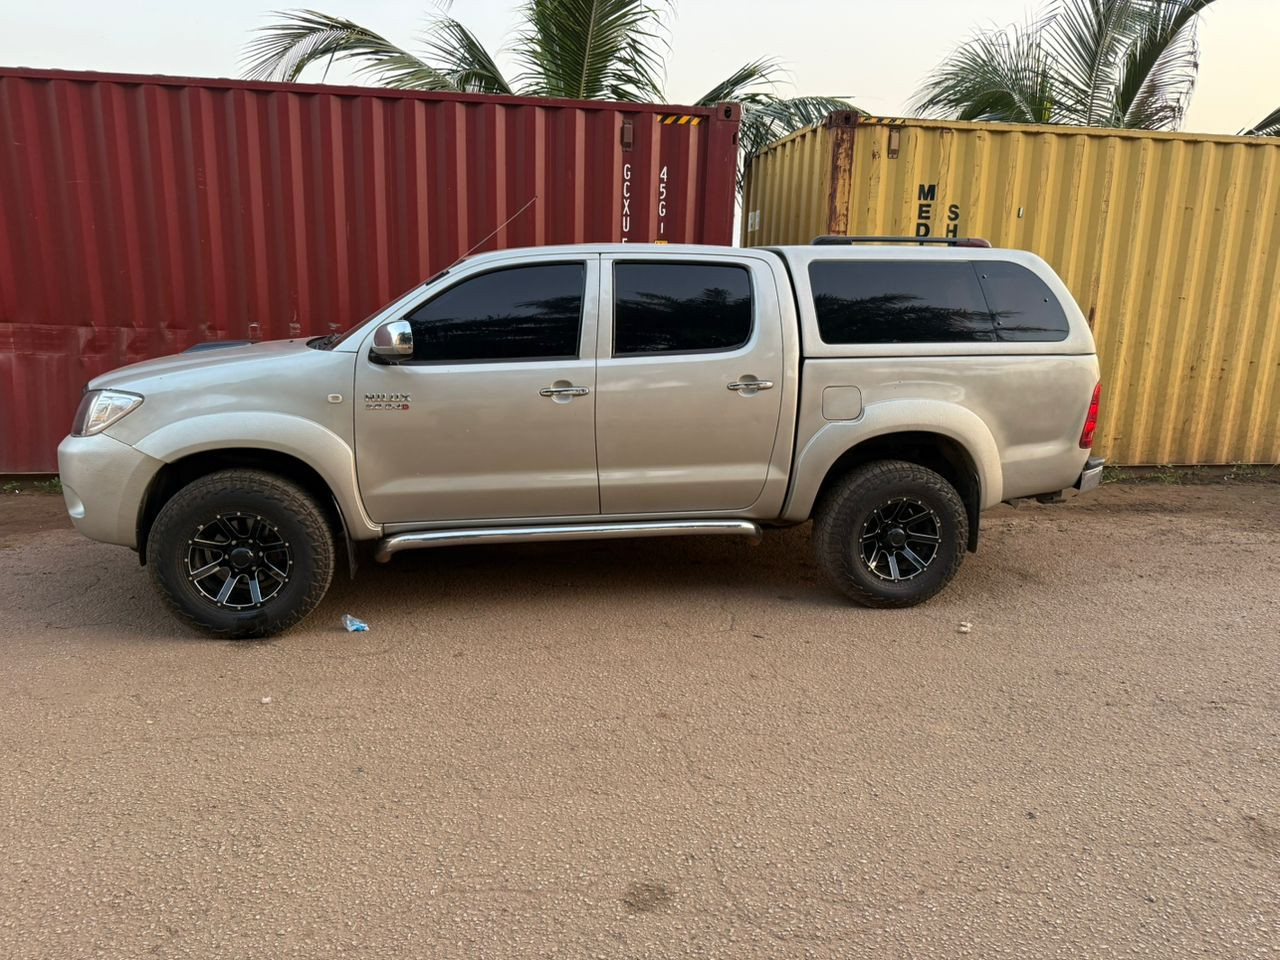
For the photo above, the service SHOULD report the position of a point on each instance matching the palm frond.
(1159, 72)
(1086, 40)
(588, 49)
(1268, 126)
(455, 52)
(283, 50)
(999, 74)
(766, 118)
(1128, 63)
(749, 80)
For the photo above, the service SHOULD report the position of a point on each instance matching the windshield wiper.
(324, 343)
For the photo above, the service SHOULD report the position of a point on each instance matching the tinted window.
(525, 313)
(680, 307)
(1024, 306)
(899, 301)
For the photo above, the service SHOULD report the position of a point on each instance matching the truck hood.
(207, 359)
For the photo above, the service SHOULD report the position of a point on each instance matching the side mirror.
(393, 341)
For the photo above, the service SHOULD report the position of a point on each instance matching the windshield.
(333, 339)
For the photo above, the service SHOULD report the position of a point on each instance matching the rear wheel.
(241, 553)
(891, 534)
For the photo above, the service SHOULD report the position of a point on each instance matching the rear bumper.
(1091, 475)
(103, 483)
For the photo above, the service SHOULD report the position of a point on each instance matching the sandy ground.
(663, 748)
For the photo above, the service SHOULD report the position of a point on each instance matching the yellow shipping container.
(1169, 242)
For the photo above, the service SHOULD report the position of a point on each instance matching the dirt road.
(666, 748)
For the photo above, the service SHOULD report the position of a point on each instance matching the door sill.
(423, 539)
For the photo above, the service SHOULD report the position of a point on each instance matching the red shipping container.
(140, 214)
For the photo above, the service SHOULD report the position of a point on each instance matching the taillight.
(1091, 421)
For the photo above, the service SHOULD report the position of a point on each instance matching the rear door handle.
(564, 391)
(751, 385)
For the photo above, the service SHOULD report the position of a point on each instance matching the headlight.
(100, 409)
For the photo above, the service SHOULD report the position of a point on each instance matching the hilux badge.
(387, 401)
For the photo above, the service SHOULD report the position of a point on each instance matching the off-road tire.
(847, 509)
(294, 514)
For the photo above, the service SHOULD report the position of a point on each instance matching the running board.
(421, 539)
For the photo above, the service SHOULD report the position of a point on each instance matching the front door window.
(522, 313)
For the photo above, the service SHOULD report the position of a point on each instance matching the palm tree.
(579, 49)
(1096, 63)
(1268, 126)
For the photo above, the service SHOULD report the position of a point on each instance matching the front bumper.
(1091, 476)
(103, 483)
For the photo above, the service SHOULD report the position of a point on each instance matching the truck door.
(688, 383)
(494, 414)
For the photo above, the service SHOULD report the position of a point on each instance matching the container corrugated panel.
(140, 215)
(1169, 242)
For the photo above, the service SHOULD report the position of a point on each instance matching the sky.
(874, 52)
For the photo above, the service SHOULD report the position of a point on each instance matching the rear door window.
(680, 308)
(899, 301)
(1024, 307)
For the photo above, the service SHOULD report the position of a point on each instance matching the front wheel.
(241, 553)
(891, 534)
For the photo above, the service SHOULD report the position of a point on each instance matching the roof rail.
(948, 241)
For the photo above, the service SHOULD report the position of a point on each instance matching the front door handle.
(750, 386)
(569, 391)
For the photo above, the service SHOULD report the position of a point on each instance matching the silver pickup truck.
(888, 392)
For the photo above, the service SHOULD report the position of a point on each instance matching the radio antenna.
(494, 232)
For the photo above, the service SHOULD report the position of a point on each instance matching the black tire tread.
(216, 487)
(833, 519)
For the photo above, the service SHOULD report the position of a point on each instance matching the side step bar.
(422, 539)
